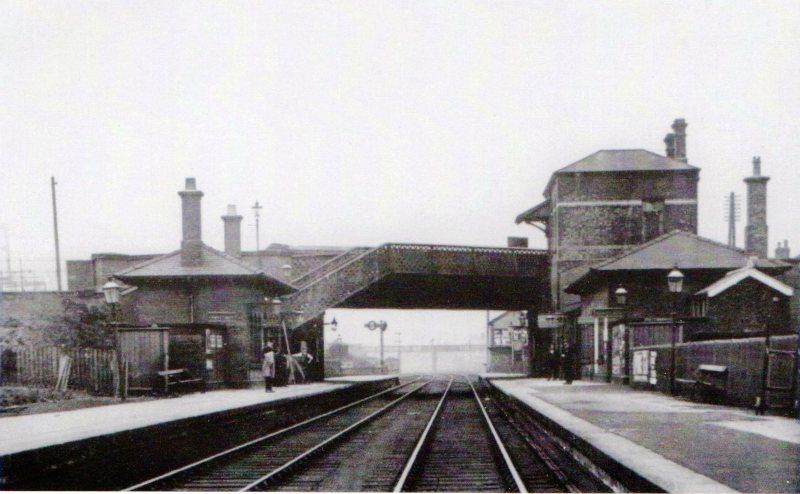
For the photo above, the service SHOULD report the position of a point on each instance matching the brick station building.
(197, 285)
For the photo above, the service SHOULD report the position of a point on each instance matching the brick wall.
(589, 233)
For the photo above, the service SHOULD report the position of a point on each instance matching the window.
(255, 324)
(652, 218)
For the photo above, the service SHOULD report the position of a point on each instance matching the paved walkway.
(46, 429)
(679, 445)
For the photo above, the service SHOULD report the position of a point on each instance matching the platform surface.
(28, 432)
(361, 379)
(677, 444)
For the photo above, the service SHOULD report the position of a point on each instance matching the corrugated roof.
(619, 160)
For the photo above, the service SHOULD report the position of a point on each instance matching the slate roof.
(734, 277)
(540, 212)
(686, 250)
(215, 264)
(621, 160)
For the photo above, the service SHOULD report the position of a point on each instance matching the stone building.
(609, 201)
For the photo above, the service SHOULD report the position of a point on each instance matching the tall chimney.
(233, 232)
(756, 232)
(192, 243)
(669, 141)
(679, 126)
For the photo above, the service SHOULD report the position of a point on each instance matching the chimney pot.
(679, 127)
(191, 184)
(756, 166)
(518, 242)
(669, 140)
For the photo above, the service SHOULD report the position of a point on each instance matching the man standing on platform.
(268, 367)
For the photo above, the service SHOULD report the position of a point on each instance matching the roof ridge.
(242, 264)
(636, 248)
(146, 263)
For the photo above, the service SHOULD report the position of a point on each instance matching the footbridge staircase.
(416, 276)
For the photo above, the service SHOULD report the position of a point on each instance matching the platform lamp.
(111, 292)
(675, 284)
(621, 299)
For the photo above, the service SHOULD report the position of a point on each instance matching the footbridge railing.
(358, 270)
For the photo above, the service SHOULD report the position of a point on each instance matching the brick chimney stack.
(679, 127)
(669, 141)
(192, 243)
(756, 232)
(233, 232)
(782, 250)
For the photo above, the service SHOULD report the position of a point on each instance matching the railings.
(328, 266)
(355, 270)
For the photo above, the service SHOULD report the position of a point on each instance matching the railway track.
(426, 435)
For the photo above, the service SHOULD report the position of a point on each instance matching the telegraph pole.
(55, 231)
(732, 216)
(257, 211)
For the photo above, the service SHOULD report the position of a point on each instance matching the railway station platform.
(677, 445)
(50, 440)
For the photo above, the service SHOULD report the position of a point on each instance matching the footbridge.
(417, 276)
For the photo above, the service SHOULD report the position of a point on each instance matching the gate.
(780, 382)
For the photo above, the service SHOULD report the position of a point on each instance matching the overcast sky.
(357, 123)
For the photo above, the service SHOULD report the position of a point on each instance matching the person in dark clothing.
(280, 369)
(568, 363)
(553, 362)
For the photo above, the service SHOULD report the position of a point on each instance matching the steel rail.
(315, 449)
(537, 449)
(401, 481)
(235, 449)
(499, 443)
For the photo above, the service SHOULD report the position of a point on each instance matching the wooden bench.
(179, 378)
(712, 382)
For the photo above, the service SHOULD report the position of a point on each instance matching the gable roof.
(214, 264)
(678, 248)
(736, 276)
(618, 160)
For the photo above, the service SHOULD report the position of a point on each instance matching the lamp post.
(111, 292)
(675, 284)
(382, 325)
(621, 299)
